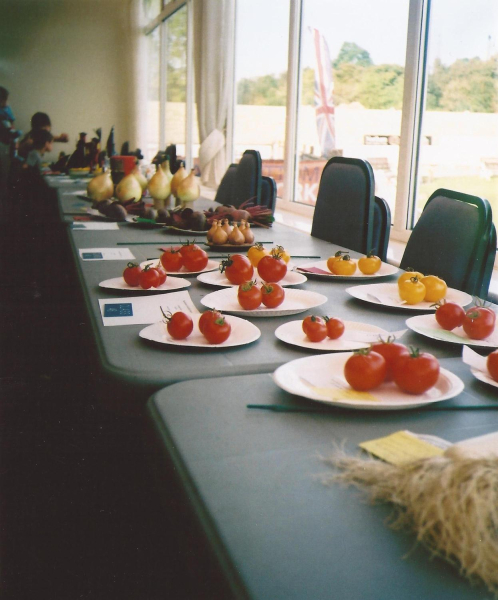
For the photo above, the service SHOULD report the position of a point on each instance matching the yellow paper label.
(336, 394)
(400, 448)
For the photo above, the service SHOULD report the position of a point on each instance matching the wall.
(72, 60)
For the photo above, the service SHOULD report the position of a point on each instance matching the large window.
(459, 147)
(261, 58)
(153, 90)
(351, 89)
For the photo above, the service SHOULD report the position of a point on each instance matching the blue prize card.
(124, 309)
(92, 255)
(77, 226)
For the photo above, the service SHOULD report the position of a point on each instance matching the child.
(39, 121)
(42, 141)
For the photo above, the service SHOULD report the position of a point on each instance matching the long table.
(252, 479)
(132, 368)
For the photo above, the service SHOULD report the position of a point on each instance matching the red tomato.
(365, 370)
(273, 294)
(315, 328)
(217, 331)
(272, 268)
(195, 259)
(335, 327)
(479, 322)
(449, 315)
(492, 364)
(249, 295)
(185, 248)
(391, 351)
(237, 268)
(179, 325)
(149, 277)
(208, 315)
(131, 274)
(171, 259)
(416, 372)
(162, 273)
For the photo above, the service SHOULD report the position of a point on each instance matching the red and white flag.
(324, 88)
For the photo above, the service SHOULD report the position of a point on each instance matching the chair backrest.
(344, 211)
(451, 239)
(248, 179)
(269, 193)
(381, 228)
(488, 264)
(226, 190)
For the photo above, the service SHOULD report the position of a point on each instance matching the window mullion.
(163, 73)
(189, 104)
(411, 121)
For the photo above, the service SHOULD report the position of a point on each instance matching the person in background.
(39, 121)
(8, 139)
(42, 142)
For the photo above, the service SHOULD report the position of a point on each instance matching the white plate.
(243, 332)
(321, 378)
(386, 294)
(384, 271)
(296, 301)
(484, 377)
(211, 266)
(171, 283)
(428, 326)
(292, 333)
(219, 279)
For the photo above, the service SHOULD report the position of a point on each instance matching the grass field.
(477, 186)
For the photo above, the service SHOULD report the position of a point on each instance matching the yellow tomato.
(435, 288)
(369, 264)
(408, 274)
(256, 253)
(412, 291)
(280, 250)
(332, 259)
(344, 266)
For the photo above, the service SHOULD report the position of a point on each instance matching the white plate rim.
(185, 283)
(204, 278)
(464, 341)
(355, 277)
(212, 265)
(412, 401)
(421, 306)
(186, 344)
(326, 344)
(484, 377)
(263, 312)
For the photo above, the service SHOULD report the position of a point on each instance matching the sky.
(461, 29)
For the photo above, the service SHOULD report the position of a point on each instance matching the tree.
(352, 54)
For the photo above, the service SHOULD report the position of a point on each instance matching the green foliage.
(268, 90)
(352, 54)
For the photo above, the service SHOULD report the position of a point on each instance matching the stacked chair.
(244, 181)
(454, 239)
(347, 212)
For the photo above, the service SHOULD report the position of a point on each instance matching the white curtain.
(213, 57)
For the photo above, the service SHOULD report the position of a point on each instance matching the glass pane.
(459, 148)
(262, 31)
(352, 76)
(176, 79)
(152, 8)
(152, 109)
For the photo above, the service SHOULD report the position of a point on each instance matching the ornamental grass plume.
(450, 502)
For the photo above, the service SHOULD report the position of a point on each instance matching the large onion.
(129, 189)
(100, 187)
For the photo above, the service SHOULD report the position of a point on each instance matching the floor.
(82, 511)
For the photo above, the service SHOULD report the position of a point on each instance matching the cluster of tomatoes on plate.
(478, 322)
(146, 278)
(412, 371)
(318, 328)
(271, 268)
(414, 287)
(342, 264)
(212, 324)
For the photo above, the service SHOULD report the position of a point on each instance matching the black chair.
(248, 179)
(381, 228)
(344, 211)
(269, 193)
(488, 264)
(226, 190)
(452, 239)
